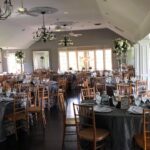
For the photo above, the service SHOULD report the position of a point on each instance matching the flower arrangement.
(19, 58)
(19, 55)
(42, 57)
(121, 46)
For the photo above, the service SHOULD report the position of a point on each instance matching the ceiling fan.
(22, 10)
(75, 34)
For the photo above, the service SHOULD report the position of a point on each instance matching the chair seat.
(139, 139)
(70, 122)
(18, 116)
(34, 109)
(87, 134)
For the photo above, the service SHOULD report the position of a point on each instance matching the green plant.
(42, 57)
(19, 55)
(121, 46)
(19, 58)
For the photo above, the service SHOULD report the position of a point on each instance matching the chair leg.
(94, 145)
(15, 125)
(63, 136)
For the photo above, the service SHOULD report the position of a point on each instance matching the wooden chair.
(88, 93)
(143, 140)
(86, 126)
(67, 122)
(100, 84)
(43, 93)
(19, 114)
(141, 86)
(62, 86)
(36, 106)
(124, 88)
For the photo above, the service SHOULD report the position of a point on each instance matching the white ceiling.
(129, 18)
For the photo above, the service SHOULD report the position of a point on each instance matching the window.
(98, 59)
(72, 60)
(91, 60)
(13, 66)
(41, 59)
(80, 60)
(63, 61)
(108, 59)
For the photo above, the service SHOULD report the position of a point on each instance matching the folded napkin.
(135, 110)
(102, 109)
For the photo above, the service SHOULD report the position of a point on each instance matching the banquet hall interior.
(74, 74)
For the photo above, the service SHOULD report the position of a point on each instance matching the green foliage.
(121, 46)
(19, 55)
(42, 57)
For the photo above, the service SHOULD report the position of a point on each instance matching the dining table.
(121, 124)
(6, 107)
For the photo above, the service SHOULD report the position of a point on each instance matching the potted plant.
(19, 58)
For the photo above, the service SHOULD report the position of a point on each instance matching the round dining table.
(122, 126)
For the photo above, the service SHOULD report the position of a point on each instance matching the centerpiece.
(19, 58)
(120, 49)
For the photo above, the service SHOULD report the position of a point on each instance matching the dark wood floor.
(51, 140)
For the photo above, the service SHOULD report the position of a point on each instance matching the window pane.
(13, 66)
(63, 61)
(41, 59)
(80, 60)
(108, 59)
(99, 60)
(91, 60)
(72, 60)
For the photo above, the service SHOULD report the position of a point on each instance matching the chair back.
(146, 129)
(141, 86)
(19, 106)
(88, 93)
(84, 118)
(61, 104)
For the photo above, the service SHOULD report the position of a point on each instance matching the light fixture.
(43, 33)
(66, 41)
(5, 12)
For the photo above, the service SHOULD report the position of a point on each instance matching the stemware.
(137, 101)
(114, 101)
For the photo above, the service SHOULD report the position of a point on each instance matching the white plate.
(102, 109)
(135, 110)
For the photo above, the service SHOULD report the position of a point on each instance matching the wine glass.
(114, 101)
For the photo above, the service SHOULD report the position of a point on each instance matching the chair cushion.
(87, 134)
(70, 122)
(34, 109)
(139, 139)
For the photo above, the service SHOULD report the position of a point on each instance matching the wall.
(102, 38)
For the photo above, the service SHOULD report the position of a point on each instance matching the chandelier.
(5, 12)
(66, 41)
(43, 33)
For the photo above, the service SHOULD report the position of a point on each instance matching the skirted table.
(122, 126)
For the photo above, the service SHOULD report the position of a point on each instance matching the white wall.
(102, 38)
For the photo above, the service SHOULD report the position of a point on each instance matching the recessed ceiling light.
(23, 29)
(97, 24)
(106, 13)
(66, 12)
